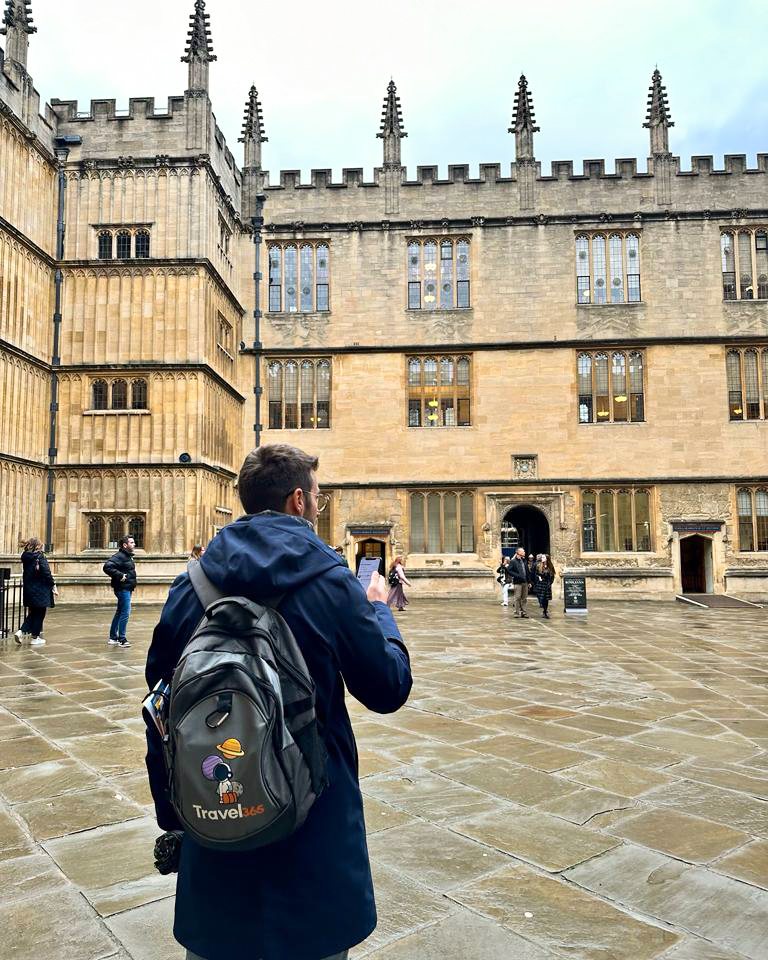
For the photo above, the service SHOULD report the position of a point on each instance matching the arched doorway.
(525, 527)
(370, 547)
(696, 564)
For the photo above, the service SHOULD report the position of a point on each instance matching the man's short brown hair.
(271, 473)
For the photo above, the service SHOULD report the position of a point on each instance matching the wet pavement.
(590, 788)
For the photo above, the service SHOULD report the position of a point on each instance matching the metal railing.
(11, 603)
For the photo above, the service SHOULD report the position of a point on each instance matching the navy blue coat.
(37, 579)
(311, 895)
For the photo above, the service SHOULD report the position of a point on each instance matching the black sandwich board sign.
(574, 594)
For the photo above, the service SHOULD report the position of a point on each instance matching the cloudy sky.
(322, 70)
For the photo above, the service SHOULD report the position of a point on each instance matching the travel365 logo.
(218, 769)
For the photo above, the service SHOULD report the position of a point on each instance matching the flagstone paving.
(593, 788)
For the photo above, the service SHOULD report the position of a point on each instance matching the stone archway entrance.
(696, 564)
(371, 547)
(526, 527)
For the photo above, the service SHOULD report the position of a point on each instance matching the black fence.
(11, 603)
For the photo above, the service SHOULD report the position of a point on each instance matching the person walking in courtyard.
(545, 577)
(505, 579)
(397, 580)
(121, 570)
(520, 579)
(310, 895)
(39, 590)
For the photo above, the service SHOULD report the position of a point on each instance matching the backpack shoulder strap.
(208, 593)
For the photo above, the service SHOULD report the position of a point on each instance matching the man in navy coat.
(309, 897)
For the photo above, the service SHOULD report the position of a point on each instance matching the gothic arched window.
(95, 533)
(438, 274)
(608, 268)
(616, 520)
(299, 393)
(119, 395)
(291, 278)
(99, 395)
(291, 369)
(138, 394)
(136, 530)
(747, 380)
(105, 245)
(116, 529)
(610, 387)
(142, 244)
(123, 245)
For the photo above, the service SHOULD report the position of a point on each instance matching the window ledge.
(456, 426)
(741, 303)
(433, 311)
(616, 306)
(614, 423)
(101, 413)
(756, 420)
(617, 554)
(285, 314)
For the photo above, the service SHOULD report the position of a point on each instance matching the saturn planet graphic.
(231, 748)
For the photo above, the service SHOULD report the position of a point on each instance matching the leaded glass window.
(119, 395)
(616, 520)
(99, 400)
(275, 282)
(138, 394)
(142, 244)
(442, 522)
(299, 278)
(290, 257)
(116, 529)
(610, 387)
(323, 273)
(299, 394)
(105, 245)
(123, 245)
(136, 530)
(307, 279)
(752, 509)
(438, 274)
(95, 533)
(607, 268)
(746, 371)
(439, 391)
(744, 256)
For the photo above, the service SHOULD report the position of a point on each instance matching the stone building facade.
(573, 361)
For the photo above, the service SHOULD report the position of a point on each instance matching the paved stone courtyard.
(589, 788)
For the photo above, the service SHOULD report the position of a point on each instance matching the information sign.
(575, 594)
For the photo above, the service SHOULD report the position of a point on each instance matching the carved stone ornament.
(126, 162)
(525, 466)
(478, 221)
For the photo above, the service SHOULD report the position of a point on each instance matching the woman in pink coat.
(397, 580)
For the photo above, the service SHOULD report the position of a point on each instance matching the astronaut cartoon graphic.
(219, 770)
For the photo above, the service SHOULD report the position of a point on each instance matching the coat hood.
(266, 554)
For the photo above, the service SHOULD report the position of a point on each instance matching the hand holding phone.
(377, 589)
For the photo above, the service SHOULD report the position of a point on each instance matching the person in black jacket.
(504, 577)
(39, 591)
(520, 578)
(121, 570)
(545, 576)
(309, 896)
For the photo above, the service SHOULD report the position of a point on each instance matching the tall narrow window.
(598, 268)
(462, 274)
(414, 276)
(761, 518)
(751, 385)
(123, 245)
(275, 387)
(307, 279)
(584, 370)
(138, 394)
(447, 397)
(290, 258)
(417, 538)
(606, 527)
(617, 268)
(323, 394)
(610, 387)
(463, 392)
(746, 528)
(105, 245)
(467, 517)
(446, 274)
(433, 523)
(119, 395)
(450, 525)
(764, 367)
(582, 270)
(633, 268)
(136, 530)
(729, 266)
(116, 529)
(414, 392)
(642, 505)
(275, 282)
(307, 394)
(142, 244)
(95, 533)
(291, 369)
(619, 388)
(746, 283)
(761, 264)
(430, 274)
(323, 299)
(589, 520)
(99, 399)
(733, 370)
(624, 524)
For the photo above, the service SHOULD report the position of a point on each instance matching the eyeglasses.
(323, 499)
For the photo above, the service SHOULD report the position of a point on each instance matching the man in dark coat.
(310, 896)
(121, 570)
(520, 579)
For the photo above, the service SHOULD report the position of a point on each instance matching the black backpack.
(244, 756)
(393, 579)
